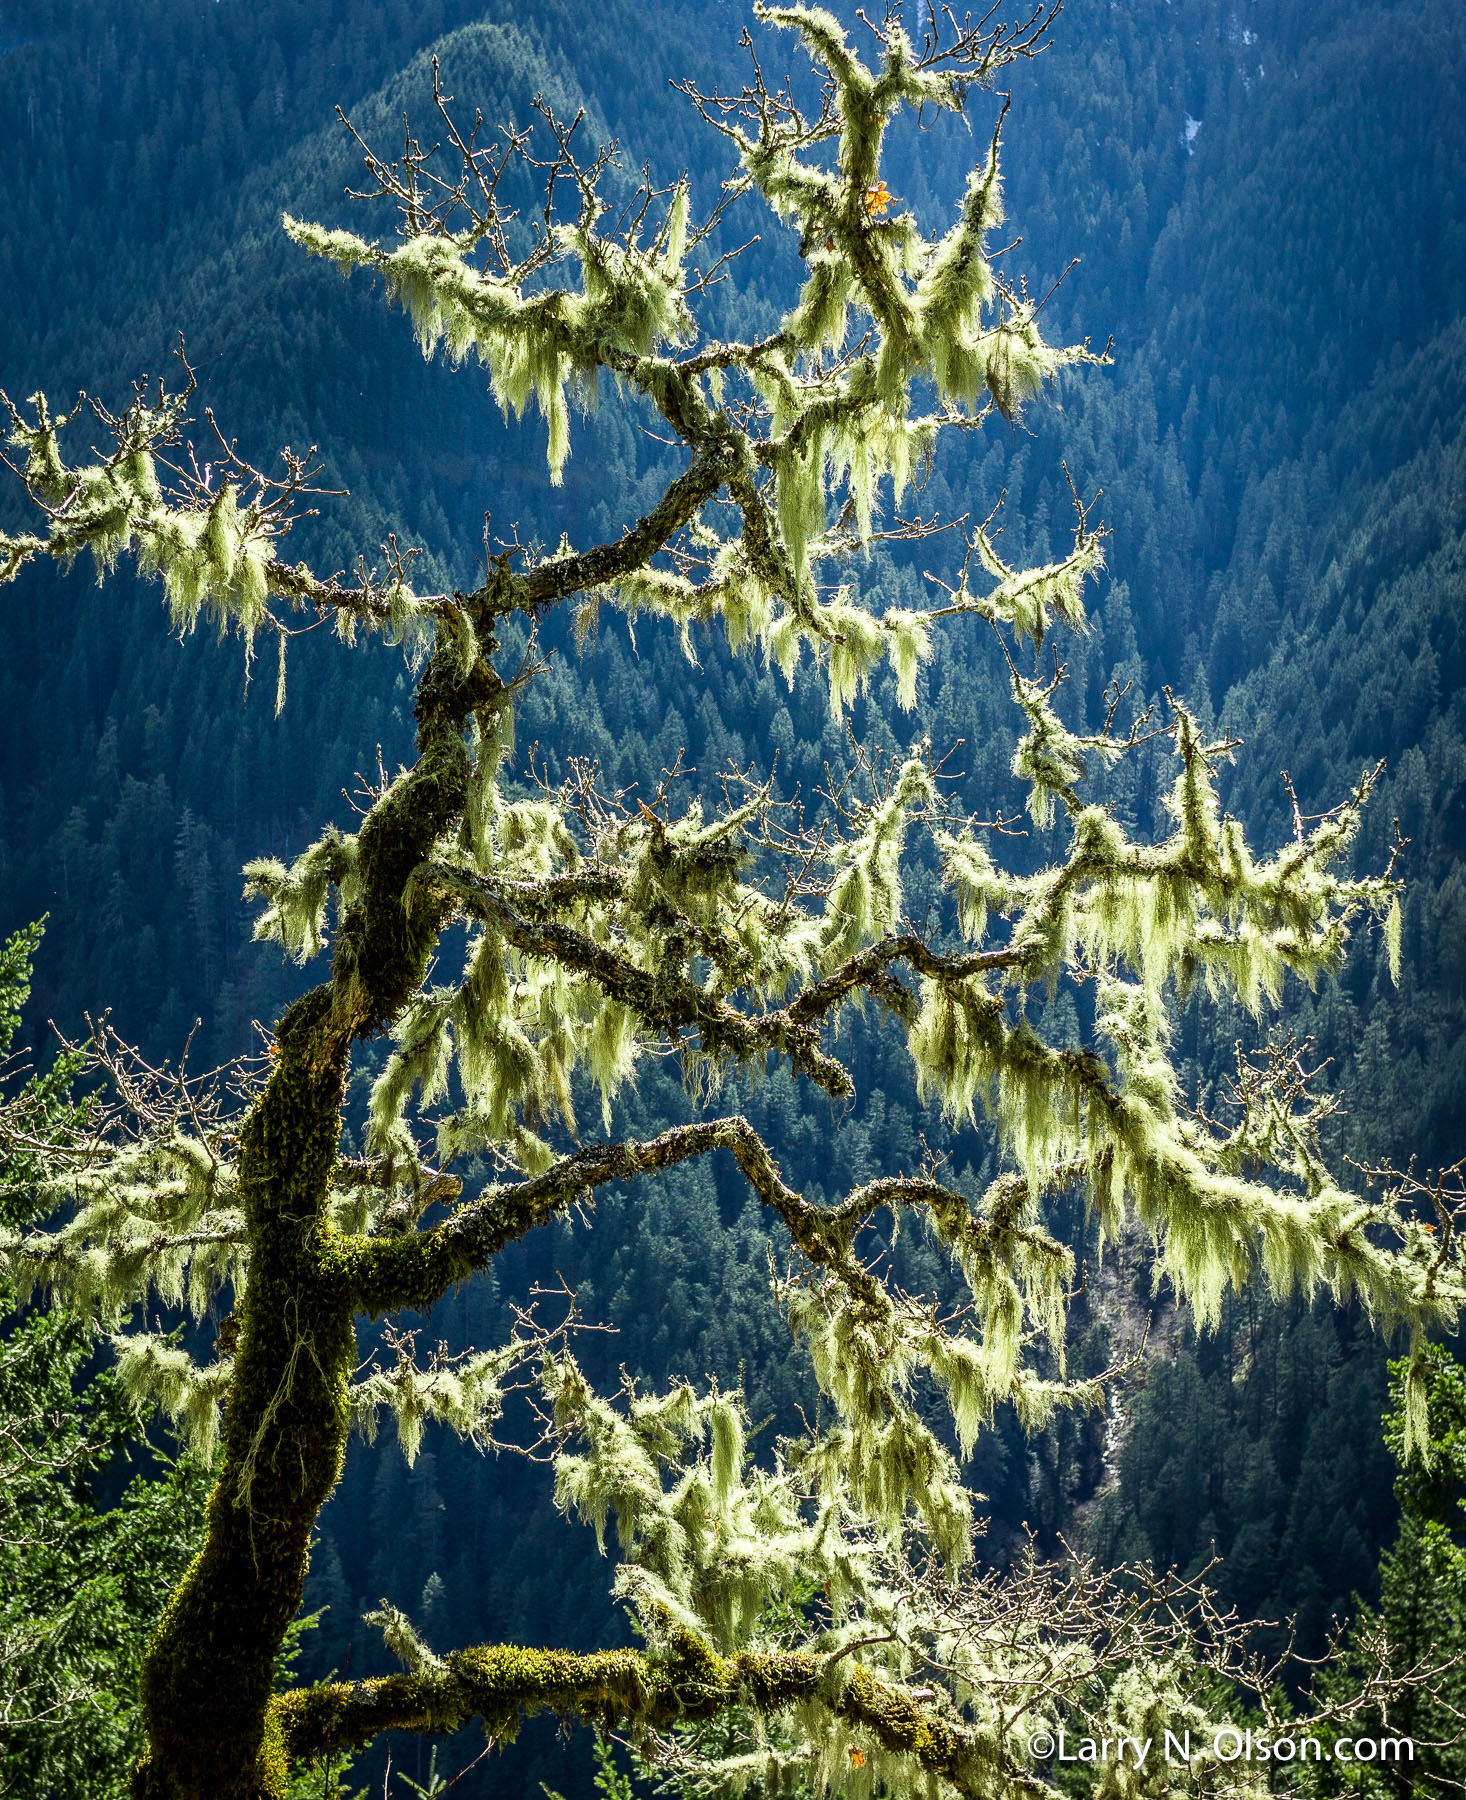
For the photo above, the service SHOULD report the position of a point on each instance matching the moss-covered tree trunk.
(209, 1672)
(207, 1680)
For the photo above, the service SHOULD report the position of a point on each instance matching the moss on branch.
(630, 1689)
(664, 1001)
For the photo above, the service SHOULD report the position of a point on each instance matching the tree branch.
(867, 967)
(666, 1001)
(415, 1272)
(553, 581)
(650, 1690)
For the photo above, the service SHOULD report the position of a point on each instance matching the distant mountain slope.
(1377, 668)
(154, 763)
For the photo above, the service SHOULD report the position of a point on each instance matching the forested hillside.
(1265, 202)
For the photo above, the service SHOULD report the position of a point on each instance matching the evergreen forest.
(1259, 204)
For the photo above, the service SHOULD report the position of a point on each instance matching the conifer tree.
(81, 1585)
(817, 1603)
(1419, 1617)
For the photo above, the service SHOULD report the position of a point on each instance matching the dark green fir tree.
(82, 1581)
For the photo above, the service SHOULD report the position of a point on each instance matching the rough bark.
(208, 1674)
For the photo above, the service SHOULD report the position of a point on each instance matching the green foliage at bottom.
(1422, 1608)
(87, 1555)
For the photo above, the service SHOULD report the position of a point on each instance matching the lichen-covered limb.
(215, 550)
(631, 1689)
(387, 605)
(867, 971)
(664, 1000)
(538, 900)
(16, 552)
(606, 563)
(672, 1003)
(211, 535)
(384, 1275)
(414, 1272)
